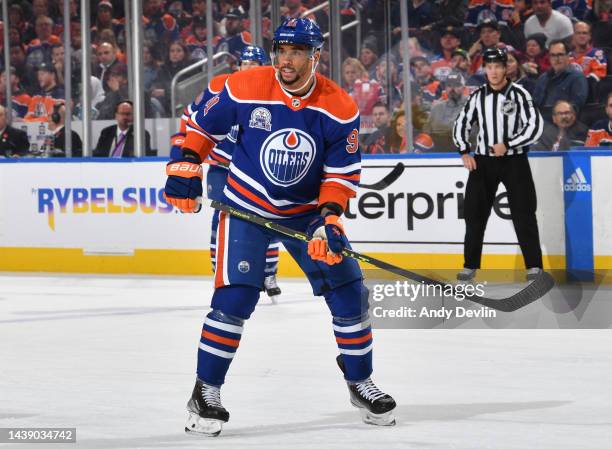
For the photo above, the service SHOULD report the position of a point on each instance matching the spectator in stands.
(40, 8)
(389, 81)
(49, 93)
(20, 98)
(235, 37)
(420, 14)
(39, 49)
(150, 66)
(182, 17)
(97, 97)
(159, 26)
(592, 61)
(443, 113)
(107, 59)
(535, 60)
(548, 21)
(57, 147)
(364, 91)
(13, 142)
(196, 42)
(489, 37)
(375, 142)
(516, 73)
(397, 135)
(294, 9)
(105, 21)
(176, 60)
(198, 11)
(565, 131)
(600, 134)
(498, 10)
(562, 82)
(430, 86)
(117, 91)
(460, 63)
(17, 20)
(18, 60)
(368, 55)
(574, 9)
(450, 40)
(514, 33)
(117, 140)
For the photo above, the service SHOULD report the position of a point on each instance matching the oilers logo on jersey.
(261, 118)
(286, 156)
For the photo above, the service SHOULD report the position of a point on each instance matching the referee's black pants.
(514, 172)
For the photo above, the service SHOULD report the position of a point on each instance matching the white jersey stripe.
(342, 170)
(344, 182)
(215, 351)
(356, 351)
(354, 328)
(224, 326)
(261, 189)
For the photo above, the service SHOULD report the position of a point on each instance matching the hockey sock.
(354, 339)
(219, 341)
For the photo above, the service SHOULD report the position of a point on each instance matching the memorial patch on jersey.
(286, 156)
(261, 118)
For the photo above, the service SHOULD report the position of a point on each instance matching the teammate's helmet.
(495, 55)
(299, 32)
(254, 53)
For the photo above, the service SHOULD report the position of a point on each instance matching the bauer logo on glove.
(184, 185)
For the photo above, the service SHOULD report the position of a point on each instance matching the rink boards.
(103, 216)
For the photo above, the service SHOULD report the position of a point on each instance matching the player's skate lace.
(369, 391)
(211, 395)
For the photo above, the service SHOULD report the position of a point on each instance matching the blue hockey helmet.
(299, 32)
(254, 53)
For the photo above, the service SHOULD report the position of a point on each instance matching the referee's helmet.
(495, 55)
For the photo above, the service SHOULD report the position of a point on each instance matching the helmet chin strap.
(315, 63)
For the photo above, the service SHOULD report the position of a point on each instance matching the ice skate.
(533, 273)
(206, 415)
(466, 275)
(272, 289)
(375, 406)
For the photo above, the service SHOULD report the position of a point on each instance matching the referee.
(507, 124)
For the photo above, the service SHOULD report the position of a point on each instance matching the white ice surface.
(115, 357)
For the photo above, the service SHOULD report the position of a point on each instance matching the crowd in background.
(558, 50)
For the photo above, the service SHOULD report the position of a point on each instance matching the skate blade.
(197, 425)
(383, 419)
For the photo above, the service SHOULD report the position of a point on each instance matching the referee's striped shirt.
(507, 116)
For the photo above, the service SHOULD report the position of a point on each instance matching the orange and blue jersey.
(441, 67)
(234, 44)
(600, 134)
(592, 62)
(291, 153)
(479, 10)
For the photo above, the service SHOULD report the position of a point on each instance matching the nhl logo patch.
(261, 118)
(295, 102)
(508, 107)
(244, 266)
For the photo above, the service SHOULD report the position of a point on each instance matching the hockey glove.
(327, 239)
(184, 184)
(176, 150)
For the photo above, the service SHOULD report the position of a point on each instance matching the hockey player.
(296, 160)
(220, 157)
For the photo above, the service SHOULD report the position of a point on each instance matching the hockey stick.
(535, 290)
(385, 182)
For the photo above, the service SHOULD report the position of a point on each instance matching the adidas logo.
(577, 182)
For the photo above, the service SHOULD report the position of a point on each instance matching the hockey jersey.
(600, 134)
(592, 62)
(291, 153)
